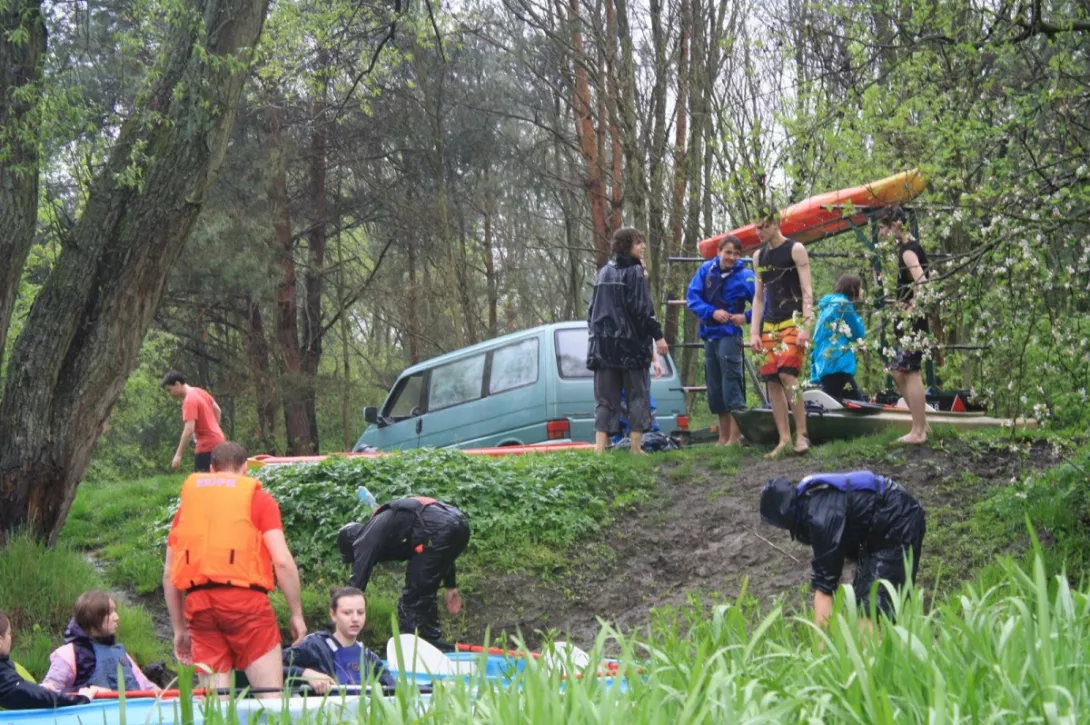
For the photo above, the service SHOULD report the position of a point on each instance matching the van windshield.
(405, 400)
(571, 355)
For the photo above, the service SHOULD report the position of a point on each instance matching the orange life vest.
(216, 541)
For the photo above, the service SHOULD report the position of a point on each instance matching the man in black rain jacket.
(428, 534)
(859, 516)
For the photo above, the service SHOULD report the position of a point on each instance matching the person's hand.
(661, 347)
(721, 316)
(755, 343)
(298, 628)
(89, 692)
(739, 320)
(803, 338)
(659, 371)
(453, 601)
(321, 685)
(182, 651)
(177, 461)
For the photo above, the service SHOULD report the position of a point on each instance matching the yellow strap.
(777, 326)
(22, 672)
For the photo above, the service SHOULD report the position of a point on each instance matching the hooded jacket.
(18, 694)
(75, 664)
(315, 652)
(712, 289)
(838, 325)
(621, 318)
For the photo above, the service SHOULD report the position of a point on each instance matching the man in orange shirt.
(200, 419)
(225, 545)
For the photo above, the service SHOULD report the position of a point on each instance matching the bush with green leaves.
(513, 503)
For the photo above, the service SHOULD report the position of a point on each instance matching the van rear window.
(571, 355)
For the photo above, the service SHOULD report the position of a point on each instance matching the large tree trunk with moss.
(83, 332)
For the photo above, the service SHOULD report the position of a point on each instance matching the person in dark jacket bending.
(622, 326)
(428, 534)
(857, 515)
(326, 659)
(17, 693)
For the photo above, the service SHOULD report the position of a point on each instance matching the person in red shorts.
(781, 322)
(225, 545)
(200, 420)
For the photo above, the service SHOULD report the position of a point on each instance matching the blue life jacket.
(107, 660)
(853, 481)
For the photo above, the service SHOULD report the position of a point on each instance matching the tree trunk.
(314, 280)
(677, 209)
(20, 70)
(656, 213)
(83, 333)
(296, 420)
(414, 314)
(588, 141)
(490, 276)
(257, 350)
(635, 193)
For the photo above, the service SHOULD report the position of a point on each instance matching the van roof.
(489, 344)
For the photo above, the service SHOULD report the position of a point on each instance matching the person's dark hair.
(5, 624)
(890, 215)
(336, 594)
(173, 377)
(731, 240)
(228, 456)
(624, 239)
(91, 609)
(768, 214)
(851, 286)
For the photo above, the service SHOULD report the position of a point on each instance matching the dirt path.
(704, 535)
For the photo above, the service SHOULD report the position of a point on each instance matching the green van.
(525, 388)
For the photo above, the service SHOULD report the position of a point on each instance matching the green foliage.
(513, 503)
(39, 587)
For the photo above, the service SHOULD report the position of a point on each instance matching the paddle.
(562, 654)
(409, 653)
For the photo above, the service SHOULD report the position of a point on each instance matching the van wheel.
(508, 444)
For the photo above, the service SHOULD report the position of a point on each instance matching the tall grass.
(38, 589)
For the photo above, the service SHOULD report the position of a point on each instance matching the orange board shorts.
(782, 352)
(230, 628)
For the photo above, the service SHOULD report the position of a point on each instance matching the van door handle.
(419, 424)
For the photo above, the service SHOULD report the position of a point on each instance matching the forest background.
(396, 180)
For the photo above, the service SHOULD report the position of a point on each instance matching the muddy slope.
(704, 535)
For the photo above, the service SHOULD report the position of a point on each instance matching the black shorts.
(608, 384)
(202, 462)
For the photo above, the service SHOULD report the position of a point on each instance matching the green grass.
(38, 589)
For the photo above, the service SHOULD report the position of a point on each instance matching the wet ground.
(704, 536)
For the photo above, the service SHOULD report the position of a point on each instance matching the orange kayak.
(823, 216)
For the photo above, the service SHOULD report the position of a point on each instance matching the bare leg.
(725, 421)
(601, 440)
(793, 393)
(267, 673)
(637, 442)
(916, 397)
(217, 681)
(778, 398)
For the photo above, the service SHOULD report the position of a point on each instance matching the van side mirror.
(370, 414)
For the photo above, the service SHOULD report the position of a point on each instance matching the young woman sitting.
(91, 654)
(18, 691)
(326, 659)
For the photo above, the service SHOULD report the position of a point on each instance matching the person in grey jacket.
(622, 325)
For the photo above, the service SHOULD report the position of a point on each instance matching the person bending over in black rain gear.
(859, 515)
(428, 534)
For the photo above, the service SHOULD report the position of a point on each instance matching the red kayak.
(823, 215)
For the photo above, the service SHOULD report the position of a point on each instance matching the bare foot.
(912, 440)
(729, 443)
(778, 450)
(802, 445)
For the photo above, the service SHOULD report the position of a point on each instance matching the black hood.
(779, 504)
(346, 538)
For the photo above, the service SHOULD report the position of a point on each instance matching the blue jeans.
(723, 371)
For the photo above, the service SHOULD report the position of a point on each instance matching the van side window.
(456, 382)
(571, 353)
(405, 401)
(513, 366)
